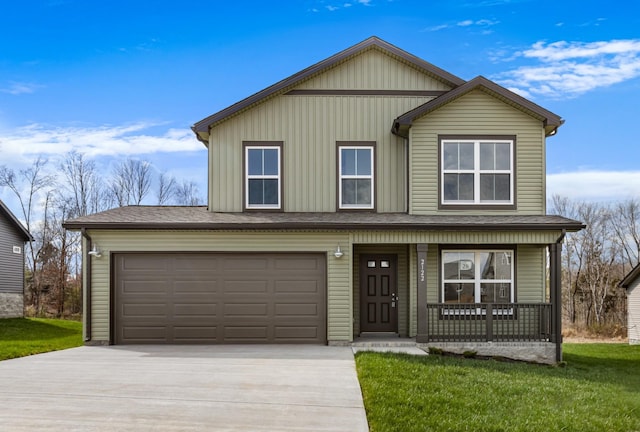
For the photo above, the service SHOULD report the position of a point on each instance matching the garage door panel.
(296, 310)
(195, 286)
(200, 334)
(144, 311)
(293, 264)
(220, 298)
(207, 310)
(245, 310)
(297, 286)
(246, 264)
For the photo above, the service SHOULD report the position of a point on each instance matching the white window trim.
(476, 171)
(262, 177)
(477, 281)
(370, 177)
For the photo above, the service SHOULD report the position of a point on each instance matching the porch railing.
(484, 322)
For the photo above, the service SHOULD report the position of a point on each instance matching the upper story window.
(356, 175)
(477, 171)
(263, 175)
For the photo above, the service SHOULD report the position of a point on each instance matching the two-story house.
(369, 193)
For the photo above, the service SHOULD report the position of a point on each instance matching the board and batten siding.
(373, 70)
(633, 314)
(339, 276)
(11, 264)
(477, 113)
(309, 127)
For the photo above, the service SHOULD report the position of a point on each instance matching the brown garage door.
(219, 298)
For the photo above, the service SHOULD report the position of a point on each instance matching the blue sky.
(114, 78)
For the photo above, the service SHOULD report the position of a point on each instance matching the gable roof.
(4, 210)
(630, 278)
(550, 120)
(202, 127)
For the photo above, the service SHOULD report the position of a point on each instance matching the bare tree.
(83, 189)
(131, 182)
(626, 225)
(27, 186)
(187, 194)
(166, 188)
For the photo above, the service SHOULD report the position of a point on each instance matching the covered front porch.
(406, 301)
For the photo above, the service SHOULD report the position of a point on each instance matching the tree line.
(594, 260)
(50, 193)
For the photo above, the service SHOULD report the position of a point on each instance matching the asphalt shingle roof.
(189, 218)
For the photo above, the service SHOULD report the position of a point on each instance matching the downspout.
(87, 261)
(557, 292)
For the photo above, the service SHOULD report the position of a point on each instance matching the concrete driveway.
(183, 388)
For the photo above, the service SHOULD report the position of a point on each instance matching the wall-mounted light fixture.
(95, 251)
(338, 253)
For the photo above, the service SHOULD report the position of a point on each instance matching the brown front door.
(378, 293)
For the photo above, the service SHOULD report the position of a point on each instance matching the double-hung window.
(263, 176)
(477, 171)
(477, 276)
(356, 176)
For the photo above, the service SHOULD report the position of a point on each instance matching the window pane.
(487, 265)
(363, 191)
(270, 161)
(503, 265)
(459, 293)
(487, 156)
(466, 156)
(263, 191)
(255, 161)
(487, 187)
(270, 191)
(495, 293)
(348, 191)
(502, 187)
(503, 156)
(371, 264)
(458, 265)
(465, 187)
(384, 264)
(256, 195)
(348, 162)
(450, 156)
(450, 187)
(363, 162)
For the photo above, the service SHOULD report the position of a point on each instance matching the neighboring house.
(13, 236)
(631, 283)
(369, 193)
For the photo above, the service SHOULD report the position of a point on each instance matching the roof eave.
(630, 278)
(283, 226)
(26, 235)
(551, 121)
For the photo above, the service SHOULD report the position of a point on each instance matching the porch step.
(379, 340)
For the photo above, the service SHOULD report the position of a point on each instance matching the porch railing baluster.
(504, 322)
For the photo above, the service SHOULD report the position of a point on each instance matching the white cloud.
(17, 88)
(568, 69)
(134, 139)
(483, 23)
(595, 186)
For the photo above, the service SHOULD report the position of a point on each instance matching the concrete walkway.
(183, 388)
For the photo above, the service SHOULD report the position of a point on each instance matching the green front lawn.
(597, 390)
(21, 337)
